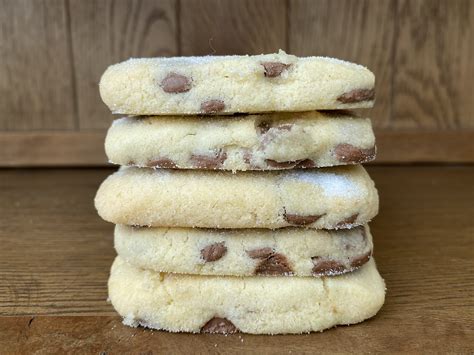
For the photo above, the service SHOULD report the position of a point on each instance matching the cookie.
(230, 84)
(255, 142)
(329, 198)
(257, 305)
(245, 252)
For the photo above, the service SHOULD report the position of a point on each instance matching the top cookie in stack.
(170, 276)
(235, 84)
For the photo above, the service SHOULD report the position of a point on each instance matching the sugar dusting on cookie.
(333, 185)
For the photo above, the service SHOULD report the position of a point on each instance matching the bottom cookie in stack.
(256, 305)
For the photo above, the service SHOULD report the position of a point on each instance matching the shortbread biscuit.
(328, 198)
(230, 84)
(255, 142)
(258, 305)
(245, 252)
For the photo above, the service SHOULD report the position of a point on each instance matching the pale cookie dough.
(255, 142)
(230, 84)
(257, 305)
(328, 198)
(245, 252)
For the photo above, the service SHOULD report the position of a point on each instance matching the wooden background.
(52, 53)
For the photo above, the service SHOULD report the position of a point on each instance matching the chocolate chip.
(274, 265)
(162, 163)
(281, 164)
(283, 127)
(300, 220)
(262, 127)
(175, 83)
(212, 106)
(361, 260)
(305, 163)
(357, 95)
(261, 253)
(326, 266)
(214, 252)
(247, 155)
(347, 222)
(348, 153)
(214, 161)
(274, 69)
(218, 325)
(270, 133)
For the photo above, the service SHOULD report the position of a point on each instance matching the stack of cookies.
(238, 206)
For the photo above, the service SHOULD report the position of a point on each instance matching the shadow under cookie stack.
(239, 206)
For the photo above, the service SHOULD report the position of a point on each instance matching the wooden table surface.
(55, 255)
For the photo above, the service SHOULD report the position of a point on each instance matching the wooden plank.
(51, 148)
(106, 335)
(67, 275)
(428, 275)
(424, 147)
(358, 31)
(232, 27)
(433, 86)
(110, 31)
(36, 86)
(86, 148)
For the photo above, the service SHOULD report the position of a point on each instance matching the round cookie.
(257, 305)
(245, 252)
(328, 198)
(230, 84)
(253, 142)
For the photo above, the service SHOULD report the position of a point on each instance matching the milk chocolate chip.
(214, 252)
(326, 266)
(175, 83)
(264, 126)
(218, 325)
(357, 95)
(162, 163)
(273, 265)
(274, 69)
(358, 261)
(300, 220)
(261, 253)
(247, 155)
(305, 163)
(212, 106)
(348, 221)
(348, 153)
(214, 161)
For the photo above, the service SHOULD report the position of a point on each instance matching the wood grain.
(36, 86)
(52, 148)
(358, 31)
(433, 86)
(110, 31)
(232, 27)
(56, 254)
(58, 251)
(402, 147)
